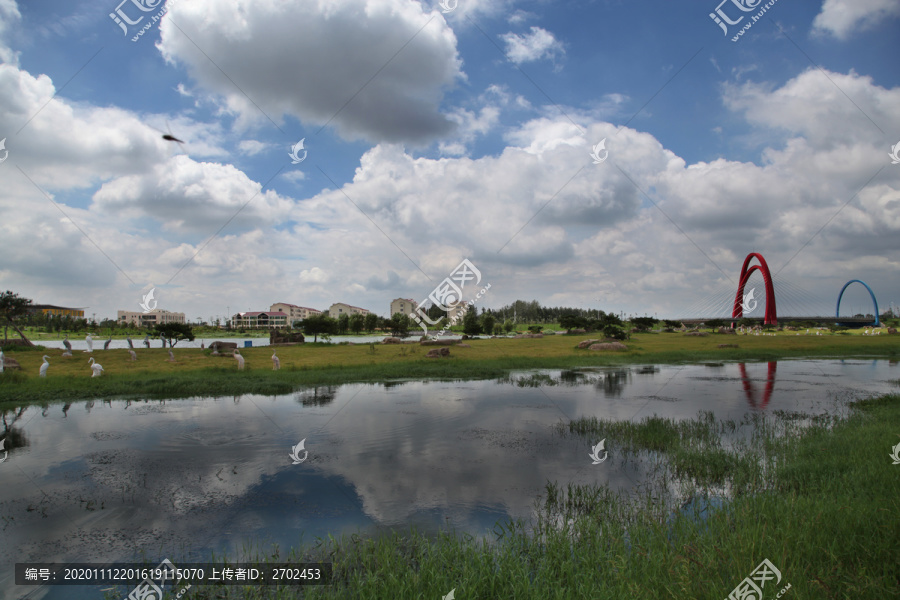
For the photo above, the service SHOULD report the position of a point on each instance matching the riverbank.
(196, 372)
(816, 498)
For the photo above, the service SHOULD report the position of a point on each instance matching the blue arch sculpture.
(837, 312)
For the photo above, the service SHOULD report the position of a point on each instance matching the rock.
(727, 330)
(438, 353)
(609, 346)
(586, 344)
(219, 346)
(391, 340)
(697, 333)
(11, 364)
(891, 330)
(728, 346)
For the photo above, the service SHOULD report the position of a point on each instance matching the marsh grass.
(818, 497)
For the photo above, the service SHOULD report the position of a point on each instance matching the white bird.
(130, 343)
(90, 343)
(240, 360)
(96, 368)
(276, 364)
(1, 361)
(147, 340)
(107, 343)
(45, 366)
(133, 355)
(67, 343)
(171, 356)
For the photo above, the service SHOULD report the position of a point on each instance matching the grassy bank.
(197, 373)
(819, 498)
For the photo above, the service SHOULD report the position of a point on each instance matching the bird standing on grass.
(67, 353)
(90, 343)
(1, 361)
(171, 356)
(147, 341)
(107, 343)
(276, 364)
(67, 343)
(240, 360)
(133, 355)
(130, 343)
(45, 366)
(96, 368)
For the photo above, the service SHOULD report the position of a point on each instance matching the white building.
(339, 308)
(294, 312)
(404, 306)
(156, 316)
(259, 320)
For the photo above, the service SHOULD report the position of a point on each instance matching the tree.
(508, 325)
(371, 321)
(357, 322)
(343, 323)
(487, 323)
(570, 322)
(399, 325)
(12, 306)
(643, 323)
(317, 325)
(672, 324)
(470, 323)
(174, 331)
(615, 332)
(715, 323)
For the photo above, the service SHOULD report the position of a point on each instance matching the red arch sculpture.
(771, 317)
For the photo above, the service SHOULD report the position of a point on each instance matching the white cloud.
(252, 147)
(373, 69)
(533, 46)
(843, 18)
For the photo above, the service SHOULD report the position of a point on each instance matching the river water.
(93, 481)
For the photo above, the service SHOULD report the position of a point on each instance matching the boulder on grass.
(11, 364)
(891, 330)
(223, 346)
(609, 346)
(391, 340)
(586, 344)
(438, 352)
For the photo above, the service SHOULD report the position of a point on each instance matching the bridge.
(747, 303)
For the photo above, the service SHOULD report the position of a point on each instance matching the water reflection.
(612, 383)
(750, 389)
(317, 395)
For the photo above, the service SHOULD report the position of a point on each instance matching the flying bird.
(45, 366)
(240, 360)
(96, 368)
(276, 364)
(107, 343)
(90, 343)
(67, 343)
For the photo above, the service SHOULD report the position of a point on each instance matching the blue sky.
(433, 137)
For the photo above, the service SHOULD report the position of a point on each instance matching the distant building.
(259, 320)
(56, 311)
(404, 306)
(294, 312)
(156, 316)
(458, 311)
(339, 308)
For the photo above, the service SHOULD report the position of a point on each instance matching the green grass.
(197, 373)
(818, 497)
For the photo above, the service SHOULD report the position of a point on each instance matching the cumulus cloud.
(843, 18)
(533, 46)
(374, 70)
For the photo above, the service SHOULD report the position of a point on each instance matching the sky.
(623, 156)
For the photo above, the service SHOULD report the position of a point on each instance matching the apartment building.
(259, 320)
(156, 316)
(404, 306)
(294, 313)
(339, 308)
